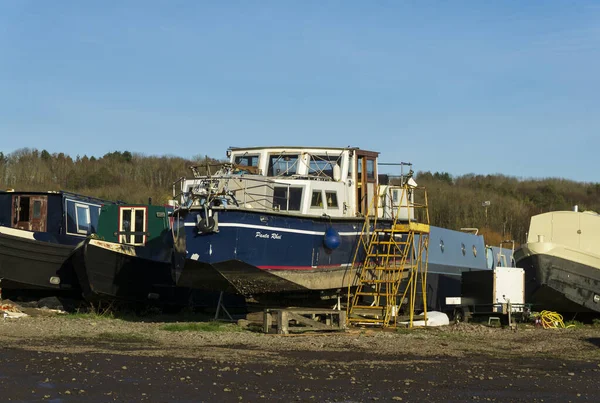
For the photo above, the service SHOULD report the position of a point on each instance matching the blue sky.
(463, 87)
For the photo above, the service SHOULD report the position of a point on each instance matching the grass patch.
(213, 326)
(123, 337)
(574, 324)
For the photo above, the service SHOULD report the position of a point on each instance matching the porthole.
(463, 248)
(442, 245)
(474, 251)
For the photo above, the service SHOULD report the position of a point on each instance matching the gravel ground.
(64, 359)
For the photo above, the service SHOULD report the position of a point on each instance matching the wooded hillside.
(118, 175)
(455, 202)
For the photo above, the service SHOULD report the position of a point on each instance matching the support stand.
(220, 307)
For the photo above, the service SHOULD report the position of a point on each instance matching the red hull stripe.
(337, 266)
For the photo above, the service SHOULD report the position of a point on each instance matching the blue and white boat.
(38, 233)
(288, 219)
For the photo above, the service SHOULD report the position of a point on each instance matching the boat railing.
(232, 191)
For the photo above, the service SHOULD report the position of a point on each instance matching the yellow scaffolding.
(390, 261)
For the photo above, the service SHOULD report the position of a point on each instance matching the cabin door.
(132, 225)
(30, 213)
(366, 181)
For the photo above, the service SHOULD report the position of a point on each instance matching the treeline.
(117, 175)
(499, 206)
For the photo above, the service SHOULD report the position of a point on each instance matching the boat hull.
(26, 263)
(111, 271)
(556, 283)
(257, 253)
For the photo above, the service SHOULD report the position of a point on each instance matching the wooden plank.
(308, 322)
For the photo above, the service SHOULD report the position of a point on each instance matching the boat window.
(442, 245)
(317, 199)
(463, 249)
(474, 251)
(287, 199)
(322, 165)
(132, 225)
(331, 198)
(82, 217)
(140, 223)
(370, 169)
(24, 208)
(37, 209)
(125, 225)
(283, 164)
(247, 160)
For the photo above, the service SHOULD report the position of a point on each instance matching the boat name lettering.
(274, 235)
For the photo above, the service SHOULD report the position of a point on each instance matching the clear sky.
(480, 87)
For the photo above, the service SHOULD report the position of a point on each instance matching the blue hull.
(255, 252)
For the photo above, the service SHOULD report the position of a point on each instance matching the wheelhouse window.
(283, 164)
(247, 160)
(132, 225)
(287, 198)
(322, 165)
(316, 199)
(82, 218)
(332, 201)
(370, 169)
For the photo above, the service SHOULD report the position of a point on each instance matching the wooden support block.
(282, 322)
(267, 321)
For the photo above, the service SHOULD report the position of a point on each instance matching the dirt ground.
(71, 358)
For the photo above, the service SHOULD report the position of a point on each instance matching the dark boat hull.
(109, 271)
(557, 284)
(31, 264)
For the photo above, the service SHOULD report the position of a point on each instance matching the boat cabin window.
(331, 198)
(287, 198)
(82, 218)
(132, 225)
(37, 209)
(316, 199)
(322, 165)
(283, 164)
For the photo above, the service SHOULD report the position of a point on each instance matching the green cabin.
(135, 225)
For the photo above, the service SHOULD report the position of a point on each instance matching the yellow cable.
(552, 320)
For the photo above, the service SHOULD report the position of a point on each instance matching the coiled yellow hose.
(552, 320)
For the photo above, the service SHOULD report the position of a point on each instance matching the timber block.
(304, 319)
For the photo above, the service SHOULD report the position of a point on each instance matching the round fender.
(332, 239)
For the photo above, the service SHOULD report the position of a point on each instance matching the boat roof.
(52, 192)
(299, 148)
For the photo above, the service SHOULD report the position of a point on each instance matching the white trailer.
(498, 292)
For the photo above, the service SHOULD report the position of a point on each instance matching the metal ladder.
(391, 263)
